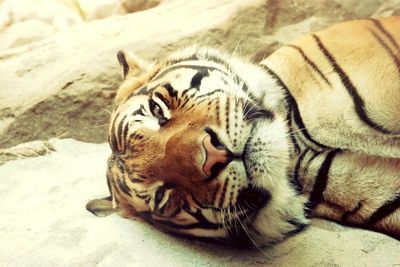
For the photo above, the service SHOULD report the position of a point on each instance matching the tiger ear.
(135, 72)
(129, 66)
(101, 207)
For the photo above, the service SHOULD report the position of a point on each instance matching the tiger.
(209, 145)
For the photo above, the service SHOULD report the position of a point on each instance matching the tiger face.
(195, 154)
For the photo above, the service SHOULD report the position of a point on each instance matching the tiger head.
(196, 153)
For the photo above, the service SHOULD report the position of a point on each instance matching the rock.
(26, 150)
(285, 12)
(25, 21)
(139, 5)
(44, 221)
(100, 9)
(361, 9)
(25, 32)
(54, 12)
(388, 8)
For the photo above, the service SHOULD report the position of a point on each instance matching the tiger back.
(346, 109)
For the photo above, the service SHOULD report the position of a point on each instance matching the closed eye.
(161, 199)
(159, 195)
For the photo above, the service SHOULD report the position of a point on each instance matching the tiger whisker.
(101, 125)
(251, 238)
(295, 131)
(237, 46)
(106, 110)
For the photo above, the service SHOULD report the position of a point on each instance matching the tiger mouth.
(252, 198)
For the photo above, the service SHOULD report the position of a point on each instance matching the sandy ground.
(44, 223)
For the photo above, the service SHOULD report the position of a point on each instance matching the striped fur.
(314, 130)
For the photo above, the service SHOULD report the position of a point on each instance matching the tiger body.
(208, 145)
(349, 105)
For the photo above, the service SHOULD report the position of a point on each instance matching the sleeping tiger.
(207, 145)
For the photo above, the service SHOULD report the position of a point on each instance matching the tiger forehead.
(184, 76)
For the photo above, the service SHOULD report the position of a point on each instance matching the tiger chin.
(208, 145)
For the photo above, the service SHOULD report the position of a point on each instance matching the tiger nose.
(216, 158)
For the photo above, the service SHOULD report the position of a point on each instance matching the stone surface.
(138, 5)
(388, 8)
(100, 9)
(53, 12)
(27, 21)
(44, 222)
(25, 32)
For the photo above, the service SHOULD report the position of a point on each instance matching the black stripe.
(187, 99)
(203, 224)
(210, 93)
(171, 91)
(217, 111)
(311, 63)
(295, 178)
(125, 133)
(190, 58)
(379, 25)
(184, 92)
(206, 226)
(159, 195)
(291, 133)
(142, 91)
(294, 107)
(114, 143)
(359, 104)
(384, 210)
(218, 60)
(140, 194)
(139, 111)
(197, 78)
(207, 69)
(394, 57)
(316, 154)
(108, 176)
(136, 180)
(119, 133)
(316, 195)
(162, 98)
(120, 164)
(198, 203)
(299, 226)
(348, 213)
(227, 113)
(122, 185)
